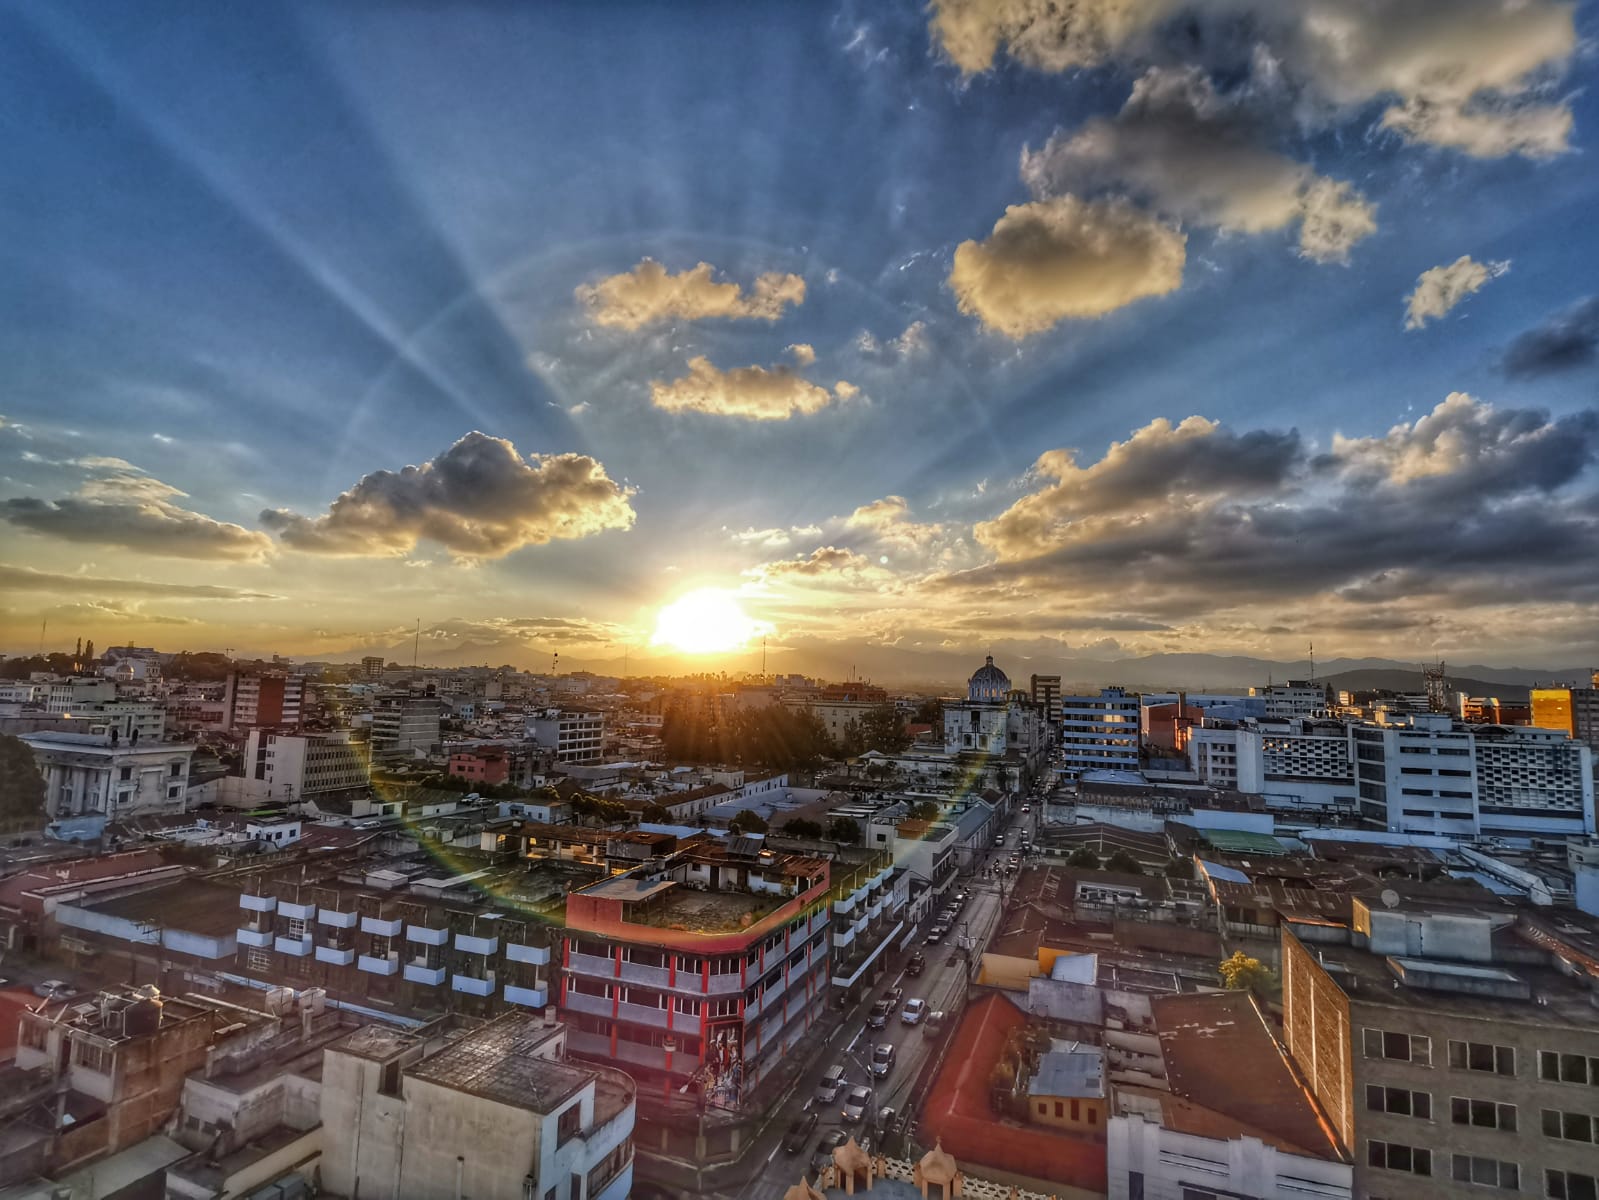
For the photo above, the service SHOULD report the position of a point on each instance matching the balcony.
(721, 985)
(387, 965)
(470, 944)
(654, 976)
(422, 935)
(473, 987)
(592, 964)
(423, 974)
(582, 1002)
(337, 920)
(335, 956)
(382, 927)
(299, 947)
(684, 1022)
(640, 1014)
(253, 937)
(845, 907)
(537, 956)
(530, 997)
(255, 903)
(844, 936)
(303, 912)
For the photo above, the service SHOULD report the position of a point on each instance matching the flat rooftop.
(498, 1062)
(191, 905)
(706, 912)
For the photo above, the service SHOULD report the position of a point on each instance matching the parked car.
(53, 989)
(857, 1103)
(916, 965)
(894, 995)
(935, 1020)
(879, 1015)
(1027, 808)
(823, 1157)
(936, 934)
(884, 1118)
(799, 1132)
(882, 1060)
(913, 1012)
(832, 1083)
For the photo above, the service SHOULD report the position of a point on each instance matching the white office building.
(1296, 698)
(292, 767)
(1532, 781)
(88, 774)
(575, 735)
(1100, 732)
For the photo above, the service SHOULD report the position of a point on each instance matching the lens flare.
(705, 621)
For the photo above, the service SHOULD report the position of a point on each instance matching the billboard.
(724, 1062)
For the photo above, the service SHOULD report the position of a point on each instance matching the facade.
(1417, 774)
(303, 766)
(498, 1113)
(1453, 1051)
(1532, 781)
(101, 775)
(1046, 696)
(698, 969)
(62, 696)
(271, 700)
(488, 765)
(574, 735)
(1572, 709)
(404, 726)
(1067, 1091)
(372, 666)
(837, 715)
(1100, 732)
(132, 720)
(1296, 698)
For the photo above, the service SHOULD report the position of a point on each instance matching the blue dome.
(988, 683)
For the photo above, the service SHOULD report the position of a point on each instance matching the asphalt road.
(940, 983)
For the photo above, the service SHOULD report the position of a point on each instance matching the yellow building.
(1068, 1089)
(1551, 709)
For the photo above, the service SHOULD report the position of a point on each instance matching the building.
(1099, 732)
(90, 774)
(700, 967)
(1046, 696)
(572, 734)
(132, 720)
(1453, 1050)
(1416, 774)
(1067, 1091)
(486, 765)
(62, 696)
(272, 700)
(405, 726)
(1572, 709)
(1296, 698)
(302, 766)
(839, 717)
(372, 666)
(1532, 781)
(498, 1113)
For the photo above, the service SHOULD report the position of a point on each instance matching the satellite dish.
(1390, 898)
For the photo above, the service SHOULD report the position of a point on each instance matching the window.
(568, 1124)
(1399, 1102)
(177, 770)
(1488, 1172)
(1077, 1113)
(1391, 1156)
(1403, 1047)
(1568, 1068)
(1570, 1126)
(1569, 1185)
(1482, 1056)
(91, 1057)
(722, 1008)
(1060, 1108)
(1485, 1114)
(296, 928)
(125, 773)
(258, 960)
(34, 1037)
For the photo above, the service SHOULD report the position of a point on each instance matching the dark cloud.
(26, 579)
(1564, 342)
(479, 499)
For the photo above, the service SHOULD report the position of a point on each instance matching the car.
(1026, 808)
(936, 934)
(1000, 840)
(799, 1132)
(894, 995)
(935, 1020)
(882, 1059)
(831, 1084)
(962, 896)
(53, 989)
(916, 965)
(883, 1119)
(856, 1104)
(823, 1158)
(913, 1012)
(879, 1015)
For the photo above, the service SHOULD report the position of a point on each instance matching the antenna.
(763, 660)
(416, 643)
(43, 625)
(1312, 662)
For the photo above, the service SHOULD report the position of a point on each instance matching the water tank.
(314, 1000)
(142, 1017)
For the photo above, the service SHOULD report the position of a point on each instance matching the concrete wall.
(1245, 1166)
(489, 1147)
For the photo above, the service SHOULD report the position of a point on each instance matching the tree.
(1242, 973)
(925, 810)
(1084, 859)
(1180, 868)
(883, 730)
(21, 784)
(88, 658)
(747, 820)
(655, 814)
(929, 712)
(1124, 862)
(800, 827)
(842, 829)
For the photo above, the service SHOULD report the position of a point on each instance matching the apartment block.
(1532, 781)
(1416, 773)
(404, 726)
(1572, 709)
(1455, 1051)
(88, 774)
(1045, 691)
(1296, 698)
(1100, 732)
(572, 734)
(273, 700)
(295, 766)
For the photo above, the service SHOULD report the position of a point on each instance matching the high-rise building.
(1100, 732)
(1296, 698)
(1415, 773)
(1046, 695)
(372, 666)
(575, 735)
(271, 700)
(1572, 709)
(293, 767)
(404, 725)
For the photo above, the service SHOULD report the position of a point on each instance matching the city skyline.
(871, 330)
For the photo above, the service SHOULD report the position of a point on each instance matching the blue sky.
(254, 255)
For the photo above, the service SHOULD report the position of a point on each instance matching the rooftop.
(1069, 1069)
(192, 905)
(499, 1062)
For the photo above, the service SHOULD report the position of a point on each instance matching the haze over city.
(871, 336)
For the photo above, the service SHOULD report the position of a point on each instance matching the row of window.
(1553, 1066)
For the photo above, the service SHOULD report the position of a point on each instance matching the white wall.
(1243, 1166)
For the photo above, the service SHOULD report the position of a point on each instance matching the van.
(827, 1090)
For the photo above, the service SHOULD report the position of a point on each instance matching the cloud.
(1194, 157)
(123, 507)
(113, 610)
(1051, 260)
(825, 560)
(1564, 342)
(1042, 34)
(754, 393)
(649, 294)
(803, 352)
(909, 344)
(478, 499)
(26, 579)
(1531, 130)
(888, 523)
(1439, 289)
(772, 539)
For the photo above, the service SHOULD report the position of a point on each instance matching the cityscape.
(956, 598)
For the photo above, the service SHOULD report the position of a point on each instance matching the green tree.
(801, 827)
(21, 784)
(655, 814)
(842, 829)
(747, 820)
(1083, 858)
(882, 729)
(1124, 862)
(1241, 973)
(925, 810)
(852, 741)
(929, 712)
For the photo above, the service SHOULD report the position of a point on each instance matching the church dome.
(988, 683)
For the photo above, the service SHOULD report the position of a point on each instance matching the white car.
(856, 1103)
(913, 1012)
(53, 989)
(882, 1060)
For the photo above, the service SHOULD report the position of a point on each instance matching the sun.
(705, 621)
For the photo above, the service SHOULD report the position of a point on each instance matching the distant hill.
(1391, 680)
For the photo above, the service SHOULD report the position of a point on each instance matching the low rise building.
(102, 775)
